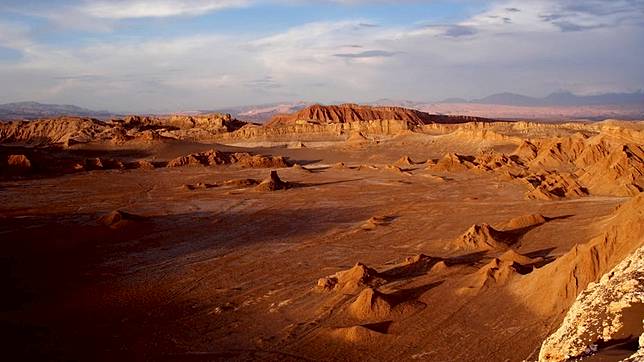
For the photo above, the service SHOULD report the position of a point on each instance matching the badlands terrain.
(334, 233)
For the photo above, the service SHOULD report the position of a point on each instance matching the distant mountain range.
(559, 105)
(558, 99)
(35, 110)
(262, 112)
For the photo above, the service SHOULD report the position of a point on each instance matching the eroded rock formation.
(607, 311)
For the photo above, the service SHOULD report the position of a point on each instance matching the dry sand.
(475, 254)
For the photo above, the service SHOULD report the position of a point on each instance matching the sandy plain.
(175, 264)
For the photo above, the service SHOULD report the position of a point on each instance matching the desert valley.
(322, 180)
(333, 233)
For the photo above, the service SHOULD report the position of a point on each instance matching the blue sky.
(171, 55)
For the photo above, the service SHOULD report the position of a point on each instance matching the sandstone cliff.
(607, 312)
(346, 113)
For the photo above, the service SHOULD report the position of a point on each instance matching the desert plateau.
(338, 232)
(322, 180)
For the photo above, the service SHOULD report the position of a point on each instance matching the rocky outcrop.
(210, 122)
(405, 161)
(273, 183)
(602, 165)
(553, 185)
(351, 280)
(525, 221)
(482, 237)
(563, 167)
(69, 131)
(371, 304)
(558, 153)
(563, 279)
(18, 164)
(346, 113)
(118, 219)
(311, 131)
(215, 158)
(453, 162)
(526, 151)
(260, 161)
(490, 160)
(184, 127)
(66, 130)
(607, 311)
(98, 163)
(215, 122)
(620, 172)
(357, 138)
(141, 164)
(501, 270)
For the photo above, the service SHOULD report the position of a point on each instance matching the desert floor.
(228, 273)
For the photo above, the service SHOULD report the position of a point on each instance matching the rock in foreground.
(607, 311)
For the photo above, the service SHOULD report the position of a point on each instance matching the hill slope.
(345, 113)
(35, 110)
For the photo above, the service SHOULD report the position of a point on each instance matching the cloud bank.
(530, 47)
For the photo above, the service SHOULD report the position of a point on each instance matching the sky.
(179, 55)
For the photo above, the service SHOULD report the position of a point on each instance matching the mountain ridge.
(561, 98)
(261, 113)
(34, 110)
(350, 112)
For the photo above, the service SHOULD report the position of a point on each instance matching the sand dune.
(358, 334)
(371, 304)
(483, 237)
(351, 280)
(525, 221)
(119, 219)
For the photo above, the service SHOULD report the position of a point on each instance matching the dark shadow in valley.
(543, 254)
(409, 169)
(297, 185)
(411, 269)
(68, 248)
(380, 327)
(467, 259)
(49, 261)
(303, 162)
(47, 162)
(514, 236)
(562, 217)
(411, 294)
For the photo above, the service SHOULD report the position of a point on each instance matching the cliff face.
(562, 280)
(607, 311)
(44, 132)
(347, 113)
(337, 123)
(311, 130)
(73, 130)
(208, 122)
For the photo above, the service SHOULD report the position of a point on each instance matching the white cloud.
(511, 46)
(14, 35)
(155, 8)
